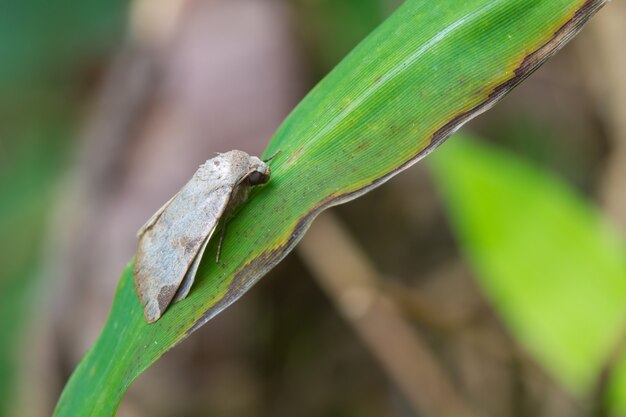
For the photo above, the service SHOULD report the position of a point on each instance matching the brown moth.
(172, 242)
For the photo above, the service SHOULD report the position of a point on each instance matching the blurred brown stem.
(348, 278)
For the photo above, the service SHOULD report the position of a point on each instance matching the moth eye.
(257, 178)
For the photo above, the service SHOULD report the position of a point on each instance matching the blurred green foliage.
(25, 187)
(49, 53)
(42, 40)
(549, 262)
(329, 29)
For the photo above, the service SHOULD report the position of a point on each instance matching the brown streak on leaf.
(295, 155)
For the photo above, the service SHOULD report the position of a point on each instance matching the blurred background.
(107, 108)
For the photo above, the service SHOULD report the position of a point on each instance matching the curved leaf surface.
(416, 79)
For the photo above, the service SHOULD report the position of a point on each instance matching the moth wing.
(170, 247)
(155, 217)
(190, 276)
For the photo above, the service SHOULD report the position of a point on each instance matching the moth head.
(260, 175)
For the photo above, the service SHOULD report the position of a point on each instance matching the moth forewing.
(168, 248)
(190, 276)
(172, 242)
(155, 217)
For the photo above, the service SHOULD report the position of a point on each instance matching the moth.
(172, 242)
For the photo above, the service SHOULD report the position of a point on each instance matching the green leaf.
(549, 263)
(429, 68)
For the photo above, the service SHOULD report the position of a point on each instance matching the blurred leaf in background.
(26, 196)
(40, 41)
(329, 29)
(50, 53)
(549, 262)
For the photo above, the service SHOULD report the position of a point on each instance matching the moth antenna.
(273, 156)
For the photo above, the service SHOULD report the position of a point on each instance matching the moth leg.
(219, 244)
